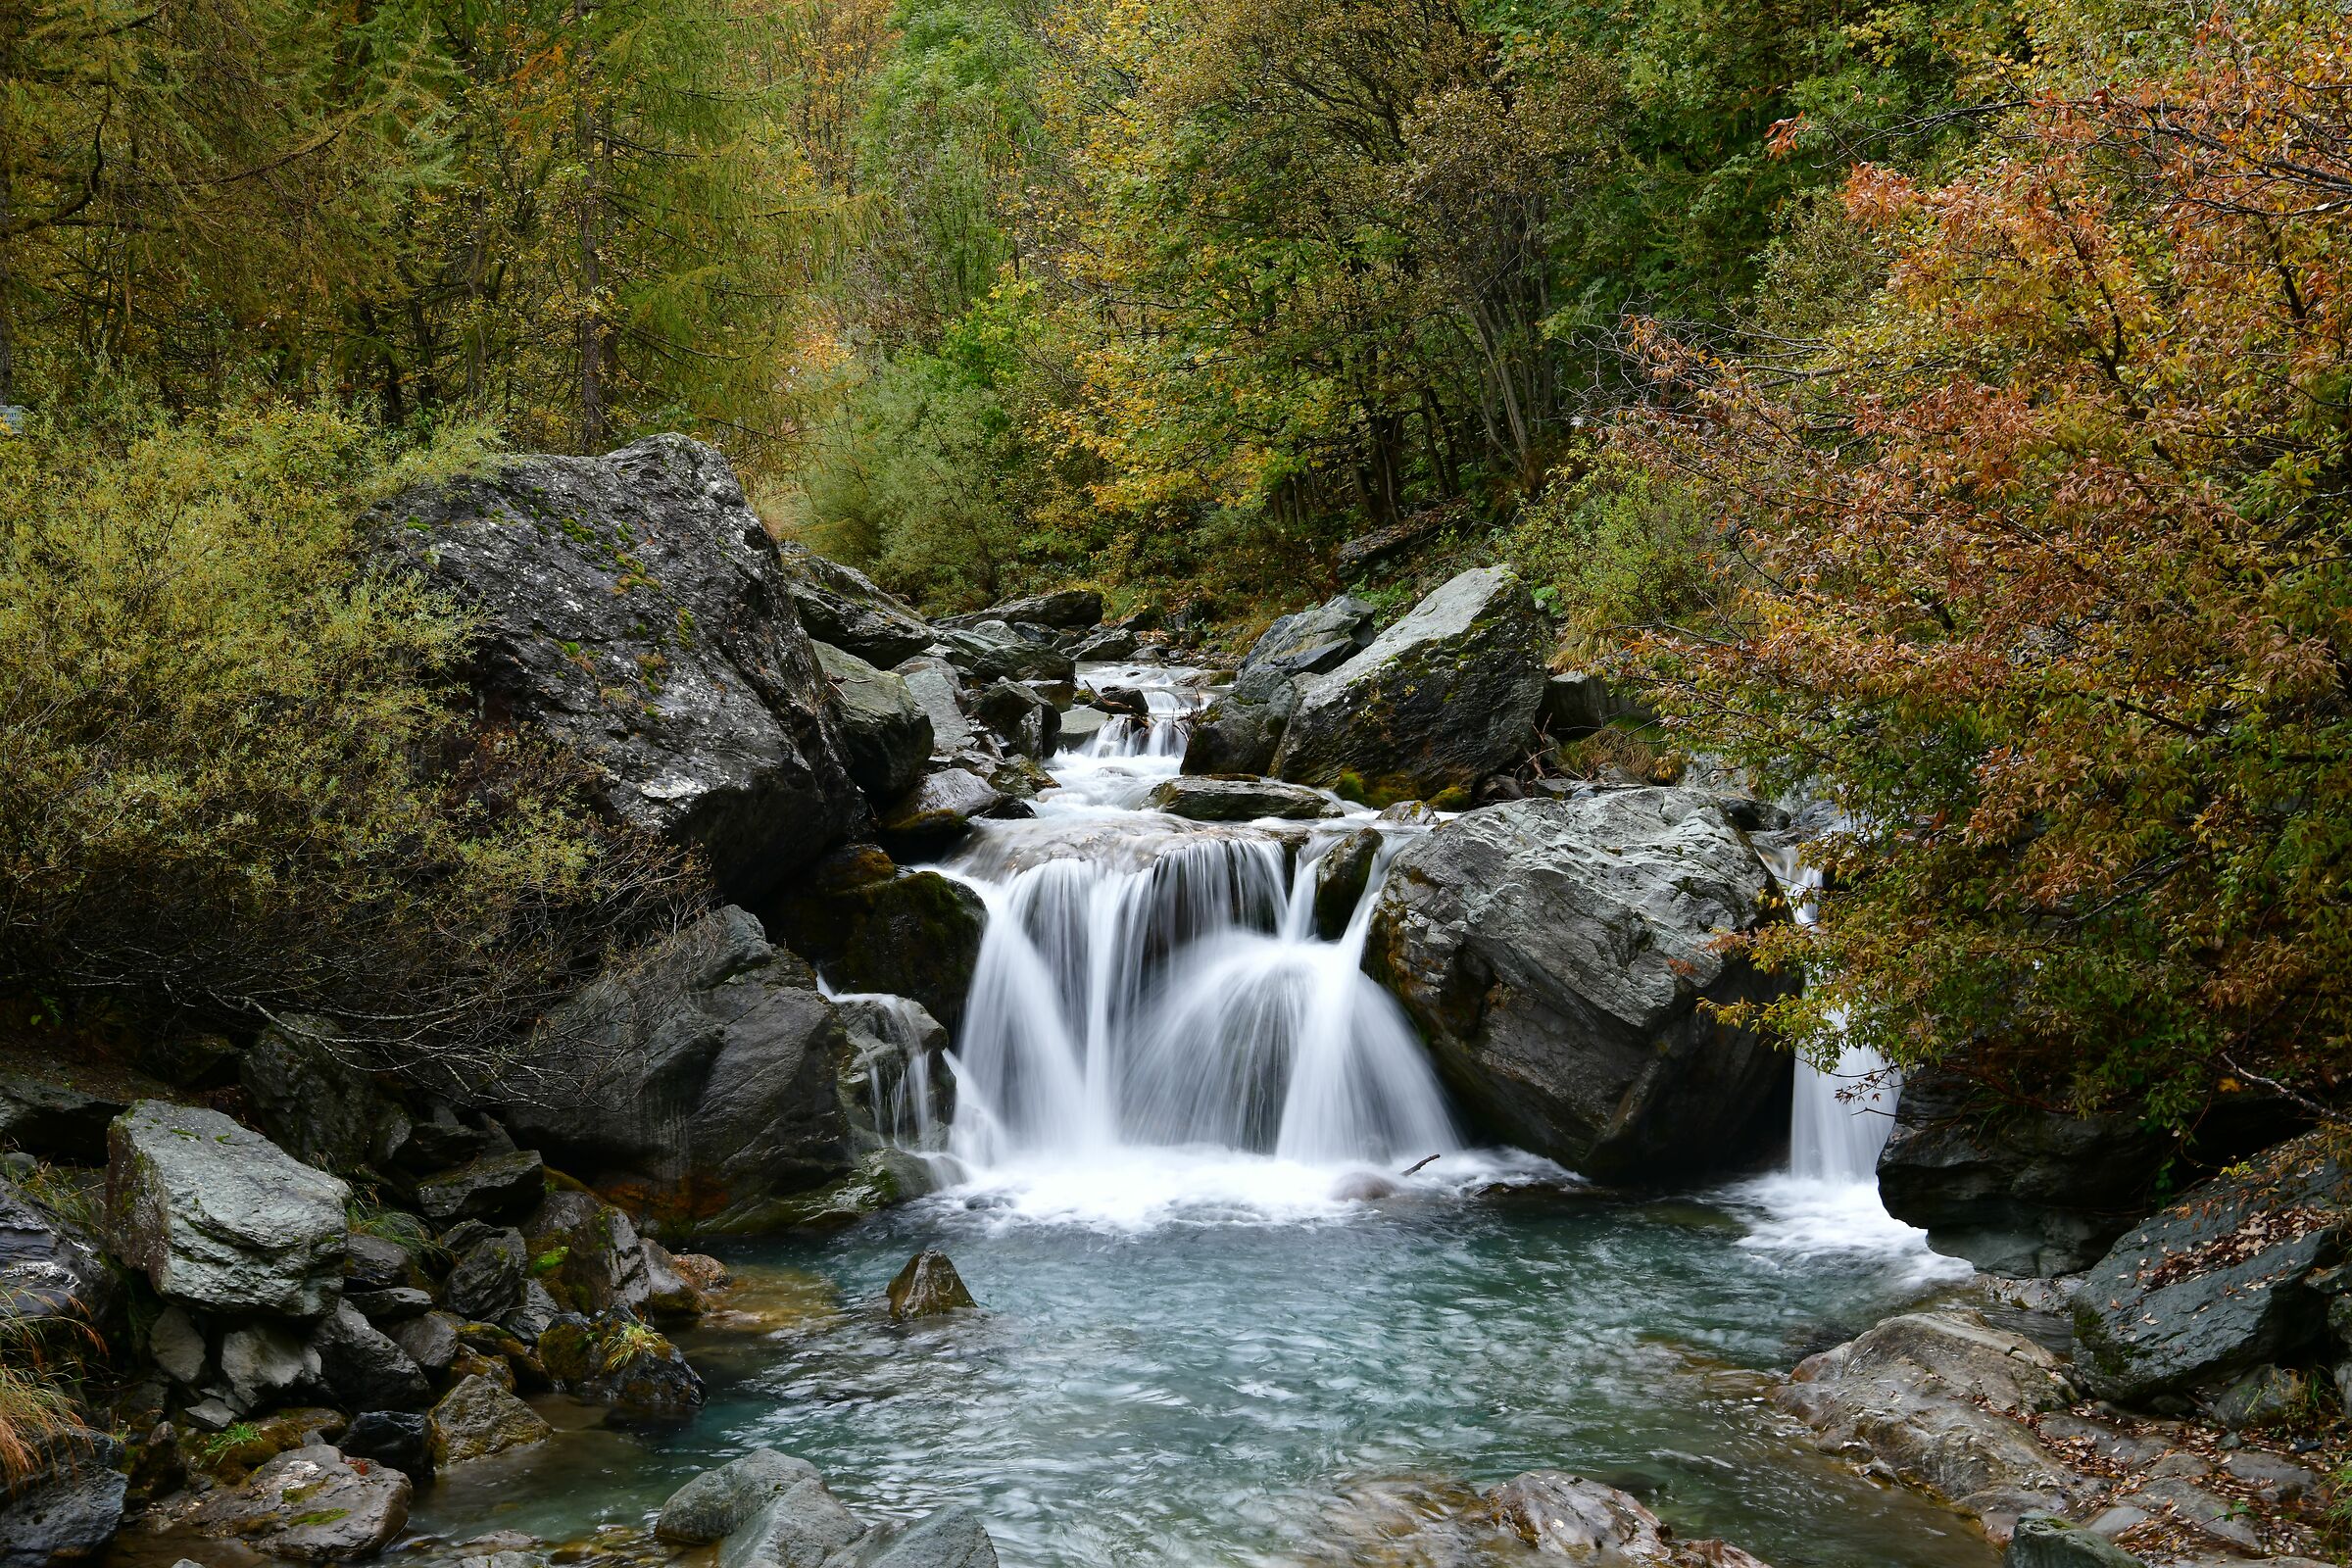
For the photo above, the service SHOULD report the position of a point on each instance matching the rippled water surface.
(1206, 1387)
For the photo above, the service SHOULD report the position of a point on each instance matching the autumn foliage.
(2040, 567)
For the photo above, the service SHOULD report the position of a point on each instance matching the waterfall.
(1839, 1119)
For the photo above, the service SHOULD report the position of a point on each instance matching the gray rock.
(440, 1140)
(531, 1319)
(311, 1504)
(950, 1538)
(2014, 1190)
(177, 1347)
(928, 1287)
(397, 1438)
(220, 1217)
(1562, 1515)
(261, 1361)
(1341, 873)
(2262, 1397)
(2216, 1284)
(870, 927)
(633, 605)
(366, 1368)
(1080, 725)
(47, 1268)
(2278, 1478)
(486, 1282)
(1439, 700)
(372, 1262)
(1575, 703)
(494, 1187)
(1556, 953)
(885, 732)
(1107, 647)
(798, 1527)
(60, 1111)
(1939, 1399)
(1241, 731)
(719, 1502)
(937, 687)
(1213, 799)
(68, 1508)
(938, 812)
(2044, 1542)
(430, 1341)
(1317, 640)
(603, 1264)
(1020, 717)
(1063, 610)
(390, 1306)
(993, 651)
(2192, 1505)
(841, 606)
(321, 1110)
(478, 1419)
(704, 1064)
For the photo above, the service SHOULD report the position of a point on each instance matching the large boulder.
(937, 687)
(871, 926)
(1442, 698)
(993, 651)
(931, 816)
(588, 1255)
(799, 1524)
(843, 606)
(47, 1268)
(1020, 717)
(1241, 731)
(633, 605)
(718, 1502)
(1942, 1399)
(885, 732)
(1063, 610)
(699, 1075)
(1316, 641)
(67, 1505)
(616, 1360)
(1212, 798)
(1556, 956)
(366, 1368)
(321, 1109)
(311, 1504)
(950, 1538)
(217, 1216)
(2217, 1284)
(2012, 1189)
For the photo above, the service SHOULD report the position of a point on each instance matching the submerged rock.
(1218, 799)
(1439, 700)
(1556, 953)
(885, 731)
(2217, 1284)
(311, 1504)
(218, 1216)
(633, 607)
(928, 1287)
(871, 926)
(699, 1075)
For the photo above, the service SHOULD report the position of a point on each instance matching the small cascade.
(897, 1072)
(1160, 735)
(1838, 1119)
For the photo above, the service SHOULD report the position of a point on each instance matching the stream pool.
(1222, 1384)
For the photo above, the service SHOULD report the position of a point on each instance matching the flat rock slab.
(1213, 799)
(218, 1216)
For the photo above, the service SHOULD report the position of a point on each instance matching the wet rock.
(1938, 1398)
(1556, 956)
(1063, 610)
(927, 1286)
(430, 1341)
(47, 1268)
(1316, 641)
(366, 1369)
(843, 606)
(1241, 731)
(218, 1216)
(2044, 1542)
(530, 1319)
(718, 1502)
(1439, 700)
(1020, 717)
(497, 1187)
(871, 926)
(616, 1360)
(935, 813)
(993, 651)
(1567, 1516)
(1216, 798)
(2219, 1283)
(899, 1053)
(400, 1438)
(885, 732)
(586, 1255)
(372, 1262)
(2014, 1190)
(390, 1306)
(1080, 725)
(633, 607)
(321, 1110)
(1341, 873)
(261, 1362)
(311, 1504)
(487, 1279)
(699, 1070)
(950, 1538)
(439, 1140)
(1107, 647)
(937, 687)
(477, 1419)
(1362, 1187)
(67, 1507)
(178, 1347)
(61, 1110)
(799, 1526)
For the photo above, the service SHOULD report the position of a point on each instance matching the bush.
(236, 775)
(1614, 548)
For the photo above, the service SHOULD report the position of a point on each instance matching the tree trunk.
(592, 322)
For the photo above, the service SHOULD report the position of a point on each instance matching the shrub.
(237, 778)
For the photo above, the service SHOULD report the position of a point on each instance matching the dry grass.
(38, 1357)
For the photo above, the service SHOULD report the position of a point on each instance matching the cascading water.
(1838, 1119)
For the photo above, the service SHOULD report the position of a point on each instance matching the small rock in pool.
(1362, 1187)
(927, 1286)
